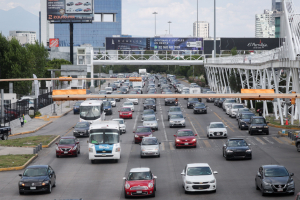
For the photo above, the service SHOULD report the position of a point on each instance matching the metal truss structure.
(277, 69)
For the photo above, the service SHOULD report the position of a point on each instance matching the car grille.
(108, 151)
(259, 127)
(185, 140)
(139, 188)
(218, 133)
(143, 193)
(200, 182)
(276, 187)
(65, 149)
(239, 153)
(35, 184)
(200, 187)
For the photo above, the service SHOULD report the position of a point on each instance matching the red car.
(185, 138)
(87, 10)
(67, 146)
(125, 112)
(78, 4)
(140, 182)
(141, 132)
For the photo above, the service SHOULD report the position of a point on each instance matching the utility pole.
(197, 20)
(155, 13)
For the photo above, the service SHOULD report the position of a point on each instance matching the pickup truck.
(5, 131)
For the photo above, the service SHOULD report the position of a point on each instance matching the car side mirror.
(159, 143)
(155, 177)
(224, 145)
(268, 122)
(226, 126)
(292, 174)
(157, 119)
(142, 120)
(215, 172)
(20, 175)
(124, 178)
(182, 173)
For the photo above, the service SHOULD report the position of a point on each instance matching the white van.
(109, 90)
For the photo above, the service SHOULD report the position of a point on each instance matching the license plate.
(186, 143)
(66, 152)
(139, 192)
(171, 101)
(218, 134)
(33, 188)
(103, 155)
(259, 130)
(280, 189)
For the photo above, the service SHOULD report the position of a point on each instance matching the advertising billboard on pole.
(121, 43)
(250, 44)
(54, 42)
(66, 10)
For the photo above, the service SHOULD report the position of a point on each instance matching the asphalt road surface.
(78, 178)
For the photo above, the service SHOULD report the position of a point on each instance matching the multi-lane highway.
(78, 178)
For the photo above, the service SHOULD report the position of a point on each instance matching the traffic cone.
(286, 122)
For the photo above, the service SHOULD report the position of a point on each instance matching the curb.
(22, 133)
(282, 127)
(50, 143)
(19, 167)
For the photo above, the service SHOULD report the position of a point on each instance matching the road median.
(16, 162)
(31, 141)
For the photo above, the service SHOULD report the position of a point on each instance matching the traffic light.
(135, 79)
(293, 100)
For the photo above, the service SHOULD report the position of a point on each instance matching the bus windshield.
(101, 136)
(90, 112)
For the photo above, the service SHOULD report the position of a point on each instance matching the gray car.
(150, 121)
(177, 120)
(147, 112)
(150, 147)
(240, 111)
(81, 129)
(174, 110)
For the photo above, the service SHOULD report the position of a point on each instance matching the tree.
(233, 51)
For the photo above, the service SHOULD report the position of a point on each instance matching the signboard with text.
(250, 44)
(66, 10)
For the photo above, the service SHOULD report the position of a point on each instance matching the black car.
(107, 108)
(81, 129)
(37, 178)
(149, 104)
(123, 91)
(70, 4)
(272, 179)
(220, 102)
(114, 87)
(171, 102)
(216, 101)
(200, 108)
(5, 131)
(258, 124)
(76, 107)
(244, 120)
(237, 148)
(191, 102)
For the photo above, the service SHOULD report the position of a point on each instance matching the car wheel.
(267, 133)
(194, 112)
(21, 193)
(93, 161)
(205, 112)
(57, 156)
(54, 185)
(79, 151)
(116, 160)
(257, 188)
(158, 156)
(142, 156)
(153, 194)
(186, 192)
(250, 132)
(4, 137)
(50, 188)
(292, 193)
(214, 191)
(262, 191)
(76, 154)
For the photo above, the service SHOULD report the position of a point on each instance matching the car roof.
(38, 166)
(141, 169)
(258, 117)
(272, 166)
(143, 127)
(118, 119)
(197, 165)
(185, 130)
(216, 123)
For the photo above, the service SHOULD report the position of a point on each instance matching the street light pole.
(169, 26)
(155, 13)
(215, 42)
(197, 20)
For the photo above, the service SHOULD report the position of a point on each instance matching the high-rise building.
(24, 37)
(276, 5)
(107, 22)
(265, 25)
(202, 28)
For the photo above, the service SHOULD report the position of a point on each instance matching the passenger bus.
(104, 141)
(92, 111)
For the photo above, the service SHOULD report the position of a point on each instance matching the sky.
(235, 18)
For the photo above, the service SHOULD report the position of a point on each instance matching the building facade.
(265, 25)
(276, 5)
(202, 28)
(24, 37)
(107, 22)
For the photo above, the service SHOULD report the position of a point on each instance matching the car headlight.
(127, 186)
(130, 113)
(118, 149)
(45, 183)
(229, 151)
(266, 183)
(183, 121)
(177, 140)
(136, 136)
(213, 181)
(172, 122)
(74, 148)
(291, 182)
(91, 150)
(143, 149)
(266, 127)
(75, 131)
(194, 140)
(22, 183)
(188, 182)
(211, 132)
(150, 185)
(249, 150)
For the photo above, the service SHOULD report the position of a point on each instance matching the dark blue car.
(107, 108)
(76, 107)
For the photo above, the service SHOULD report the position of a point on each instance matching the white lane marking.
(162, 120)
(195, 129)
(267, 139)
(162, 146)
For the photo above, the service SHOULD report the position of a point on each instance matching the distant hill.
(18, 19)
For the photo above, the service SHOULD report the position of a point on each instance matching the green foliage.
(233, 51)
(56, 64)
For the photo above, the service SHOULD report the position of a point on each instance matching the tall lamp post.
(197, 20)
(169, 26)
(215, 42)
(155, 13)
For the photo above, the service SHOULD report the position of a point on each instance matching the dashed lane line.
(162, 146)
(259, 140)
(267, 139)
(277, 140)
(206, 143)
(171, 146)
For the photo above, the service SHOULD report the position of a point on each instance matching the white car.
(117, 83)
(150, 121)
(217, 129)
(234, 109)
(129, 104)
(122, 124)
(198, 177)
(112, 101)
(135, 101)
(228, 107)
(109, 90)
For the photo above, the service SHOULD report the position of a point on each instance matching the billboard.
(53, 42)
(250, 44)
(66, 10)
(209, 46)
(163, 44)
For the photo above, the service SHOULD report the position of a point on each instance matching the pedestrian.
(260, 112)
(22, 118)
(176, 102)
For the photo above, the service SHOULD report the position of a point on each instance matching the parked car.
(151, 121)
(258, 124)
(216, 129)
(241, 110)
(185, 138)
(76, 107)
(78, 4)
(67, 146)
(87, 4)
(150, 147)
(125, 112)
(140, 182)
(274, 179)
(226, 102)
(78, 10)
(70, 3)
(141, 132)
(237, 148)
(81, 129)
(37, 178)
(87, 10)
(234, 108)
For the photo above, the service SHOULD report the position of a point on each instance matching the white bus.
(92, 111)
(104, 141)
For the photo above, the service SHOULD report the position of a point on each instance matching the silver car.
(234, 108)
(147, 112)
(174, 110)
(150, 121)
(150, 147)
(177, 120)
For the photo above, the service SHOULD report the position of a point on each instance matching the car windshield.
(276, 172)
(82, 125)
(111, 136)
(199, 105)
(198, 171)
(125, 109)
(139, 176)
(120, 121)
(109, 88)
(185, 133)
(176, 116)
(259, 121)
(243, 110)
(149, 102)
(217, 126)
(237, 106)
(230, 101)
(149, 118)
(237, 143)
(193, 99)
(148, 112)
(106, 103)
(35, 172)
(149, 141)
(143, 129)
(128, 104)
(90, 112)
(247, 116)
(175, 109)
(67, 141)
(77, 103)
